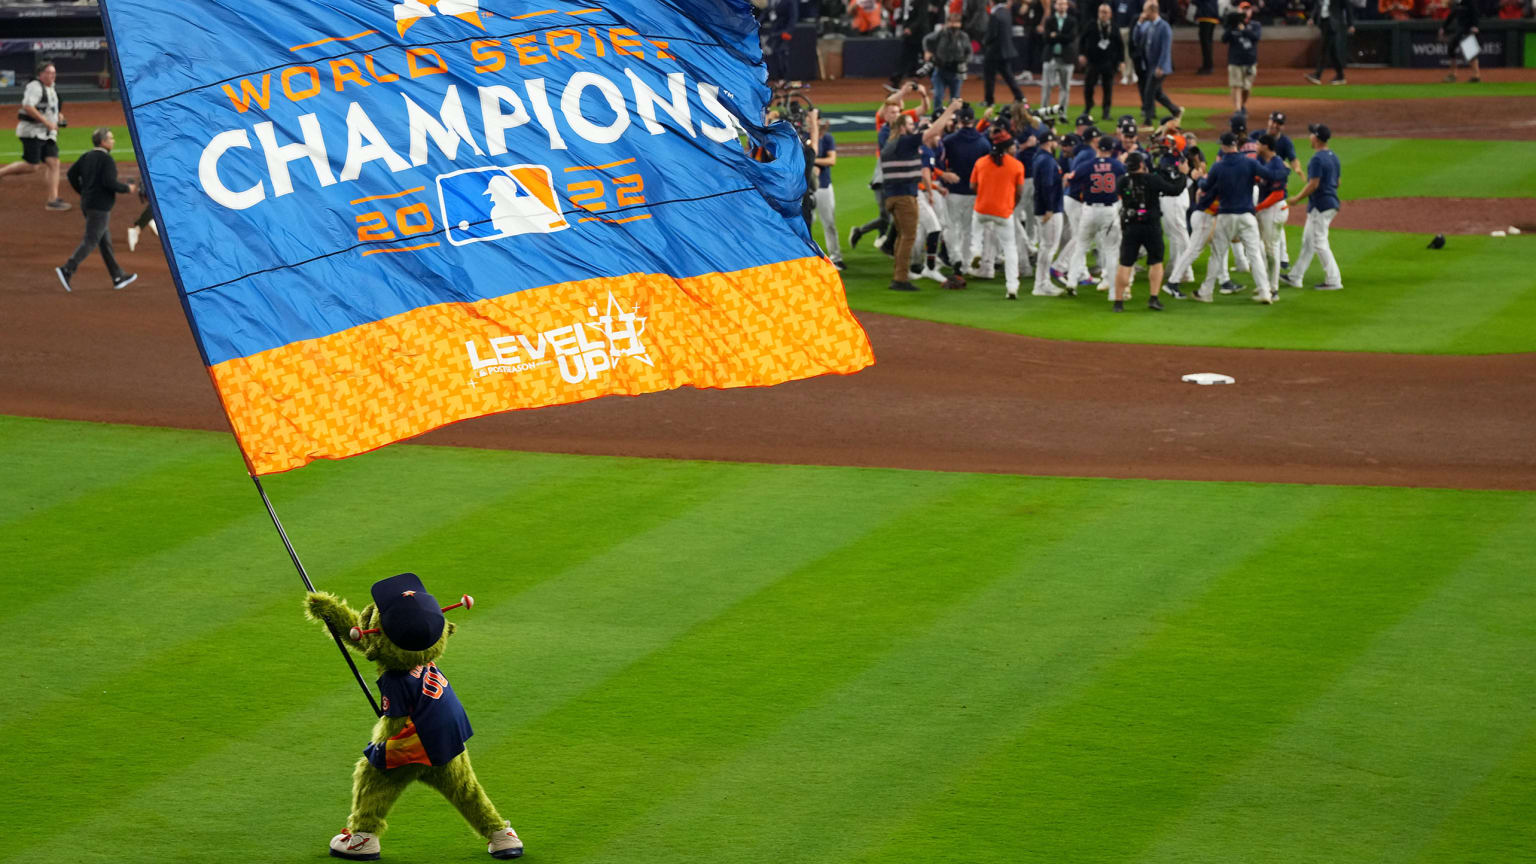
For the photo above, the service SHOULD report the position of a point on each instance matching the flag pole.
(308, 585)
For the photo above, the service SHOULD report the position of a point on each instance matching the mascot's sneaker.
(505, 844)
(355, 846)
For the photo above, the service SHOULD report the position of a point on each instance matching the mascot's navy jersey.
(438, 728)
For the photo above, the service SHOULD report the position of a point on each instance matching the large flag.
(384, 217)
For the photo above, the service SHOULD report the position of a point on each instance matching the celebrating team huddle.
(961, 191)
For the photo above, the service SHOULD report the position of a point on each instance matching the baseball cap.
(1045, 136)
(1228, 139)
(408, 615)
(1071, 139)
(966, 112)
(1321, 130)
(1277, 117)
(1091, 133)
(1239, 121)
(1084, 120)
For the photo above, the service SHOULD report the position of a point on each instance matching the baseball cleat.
(355, 846)
(505, 844)
(57, 204)
(1011, 295)
(838, 263)
(1312, 78)
(1230, 287)
(1262, 297)
(854, 235)
(1155, 304)
(1324, 286)
(124, 281)
(1086, 283)
(1338, 81)
(1047, 291)
(63, 277)
(1173, 291)
(1119, 306)
(1291, 281)
(1058, 275)
(1203, 296)
(933, 274)
(903, 286)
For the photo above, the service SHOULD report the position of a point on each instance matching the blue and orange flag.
(384, 217)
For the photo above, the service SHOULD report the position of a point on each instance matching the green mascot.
(422, 732)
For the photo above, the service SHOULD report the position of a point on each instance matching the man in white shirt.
(38, 130)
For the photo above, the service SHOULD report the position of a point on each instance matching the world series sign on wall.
(384, 217)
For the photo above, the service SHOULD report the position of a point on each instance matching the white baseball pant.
(1234, 230)
(1050, 239)
(1314, 240)
(957, 227)
(998, 230)
(1094, 228)
(826, 211)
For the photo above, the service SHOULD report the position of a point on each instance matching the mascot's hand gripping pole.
(297, 565)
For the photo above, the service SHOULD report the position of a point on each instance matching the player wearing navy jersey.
(826, 202)
(1076, 180)
(1098, 224)
(1270, 213)
(1286, 150)
(1232, 182)
(1048, 206)
(1322, 194)
(961, 149)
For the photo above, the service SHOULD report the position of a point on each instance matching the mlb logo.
(500, 201)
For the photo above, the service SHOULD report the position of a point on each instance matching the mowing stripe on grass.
(1419, 721)
(711, 662)
(41, 461)
(1023, 641)
(777, 653)
(1200, 695)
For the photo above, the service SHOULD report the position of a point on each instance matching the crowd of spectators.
(884, 18)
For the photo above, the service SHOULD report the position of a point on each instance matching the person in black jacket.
(998, 53)
(1102, 54)
(1206, 12)
(910, 21)
(1336, 18)
(94, 176)
(1141, 193)
(1458, 25)
(1060, 32)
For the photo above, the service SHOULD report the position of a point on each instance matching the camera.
(1051, 112)
(924, 70)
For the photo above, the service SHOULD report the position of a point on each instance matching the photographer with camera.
(1141, 193)
(948, 51)
(38, 128)
(1242, 39)
(1060, 32)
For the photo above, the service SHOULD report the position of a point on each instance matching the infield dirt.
(940, 397)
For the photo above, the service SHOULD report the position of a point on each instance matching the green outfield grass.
(1474, 297)
(73, 142)
(698, 662)
(1377, 92)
